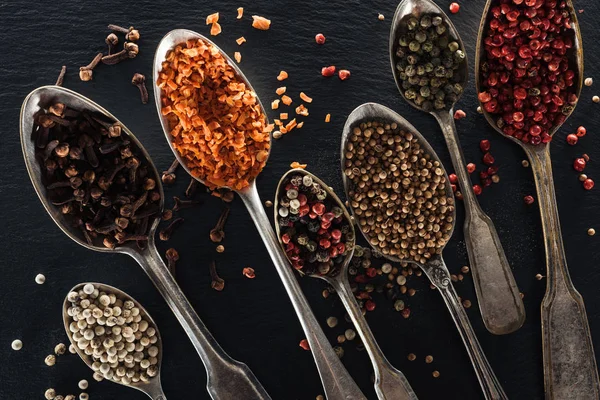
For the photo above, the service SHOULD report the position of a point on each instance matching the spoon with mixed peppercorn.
(100, 187)
(317, 235)
(529, 75)
(401, 200)
(429, 65)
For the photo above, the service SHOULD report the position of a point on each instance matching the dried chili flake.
(280, 90)
(240, 40)
(261, 23)
(275, 104)
(300, 125)
(305, 98)
(240, 12)
(302, 110)
(212, 18)
(328, 118)
(282, 76)
(215, 29)
(287, 100)
(238, 56)
(296, 164)
(249, 273)
(283, 116)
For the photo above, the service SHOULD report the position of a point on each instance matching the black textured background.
(253, 319)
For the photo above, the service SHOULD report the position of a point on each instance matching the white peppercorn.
(83, 384)
(72, 349)
(332, 322)
(70, 397)
(50, 394)
(88, 288)
(16, 345)
(50, 360)
(84, 396)
(40, 279)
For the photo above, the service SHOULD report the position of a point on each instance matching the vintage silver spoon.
(153, 387)
(337, 382)
(390, 384)
(435, 269)
(570, 369)
(499, 300)
(226, 377)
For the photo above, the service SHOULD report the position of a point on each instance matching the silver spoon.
(389, 382)
(435, 269)
(153, 387)
(337, 382)
(500, 303)
(226, 377)
(570, 369)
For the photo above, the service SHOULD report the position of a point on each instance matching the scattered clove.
(61, 76)
(166, 233)
(217, 234)
(130, 50)
(217, 283)
(131, 33)
(192, 187)
(168, 176)
(172, 258)
(139, 80)
(111, 40)
(182, 204)
(86, 73)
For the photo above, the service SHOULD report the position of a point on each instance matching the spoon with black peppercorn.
(499, 300)
(226, 377)
(145, 373)
(570, 369)
(329, 260)
(405, 208)
(337, 382)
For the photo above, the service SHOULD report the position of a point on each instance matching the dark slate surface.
(253, 320)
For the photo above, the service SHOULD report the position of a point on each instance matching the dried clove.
(172, 257)
(86, 73)
(192, 187)
(217, 283)
(139, 80)
(61, 76)
(166, 233)
(217, 234)
(130, 50)
(167, 215)
(131, 33)
(182, 204)
(168, 176)
(111, 40)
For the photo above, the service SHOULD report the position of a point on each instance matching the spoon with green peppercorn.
(401, 200)
(570, 368)
(430, 69)
(227, 378)
(317, 234)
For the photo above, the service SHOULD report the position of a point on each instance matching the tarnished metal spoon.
(153, 387)
(337, 382)
(570, 369)
(435, 269)
(390, 383)
(226, 377)
(499, 300)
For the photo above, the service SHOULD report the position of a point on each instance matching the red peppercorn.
(483, 175)
(371, 272)
(304, 344)
(581, 131)
(324, 243)
(488, 159)
(453, 186)
(344, 74)
(336, 234)
(328, 71)
(588, 184)
(454, 8)
(477, 190)
(579, 164)
(453, 178)
(370, 305)
(572, 139)
(492, 170)
(285, 238)
(302, 199)
(471, 168)
(360, 279)
(528, 200)
(487, 182)
(341, 247)
(485, 145)
(460, 114)
(320, 38)
(328, 217)
(406, 312)
(318, 208)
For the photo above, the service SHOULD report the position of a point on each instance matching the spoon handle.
(337, 382)
(499, 300)
(390, 384)
(438, 274)
(226, 377)
(570, 369)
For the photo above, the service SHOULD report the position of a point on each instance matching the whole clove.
(86, 73)
(217, 283)
(172, 257)
(98, 191)
(111, 41)
(131, 34)
(182, 204)
(217, 233)
(166, 233)
(192, 187)
(139, 80)
(168, 176)
(61, 76)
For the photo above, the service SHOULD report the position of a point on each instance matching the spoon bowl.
(153, 387)
(435, 268)
(498, 296)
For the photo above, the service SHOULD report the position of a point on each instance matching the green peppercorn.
(427, 106)
(425, 21)
(412, 59)
(425, 92)
(414, 46)
(440, 71)
(410, 70)
(421, 70)
(412, 24)
(420, 37)
(440, 29)
(410, 94)
(403, 41)
(427, 47)
(437, 20)
(453, 46)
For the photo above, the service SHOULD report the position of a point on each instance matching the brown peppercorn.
(429, 359)
(435, 374)
(411, 357)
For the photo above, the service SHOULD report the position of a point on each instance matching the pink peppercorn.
(318, 208)
(581, 131)
(371, 272)
(344, 74)
(588, 184)
(485, 145)
(460, 114)
(579, 164)
(370, 305)
(471, 168)
(492, 170)
(488, 159)
(454, 8)
(320, 38)
(572, 139)
(453, 178)
(477, 190)
(528, 200)
(328, 71)
(406, 312)
(304, 344)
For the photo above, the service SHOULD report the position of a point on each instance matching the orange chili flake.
(283, 130)
(215, 121)
(296, 164)
(215, 29)
(240, 11)
(280, 90)
(238, 56)
(305, 98)
(300, 125)
(301, 110)
(275, 104)
(282, 75)
(283, 115)
(240, 40)
(277, 122)
(291, 125)
(212, 18)
(328, 118)
(261, 23)
(287, 100)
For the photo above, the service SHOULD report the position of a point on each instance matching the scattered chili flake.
(304, 344)
(588, 184)
(460, 114)
(212, 18)
(287, 100)
(215, 29)
(238, 56)
(328, 71)
(328, 118)
(344, 74)
(296, 164)
(320, 38)
(240, 40)
(381, 17)
(282, 76)
(283, 115)
(249, 273)
(471, 168)
(277, 122)
(300, 125)
(529, 200)
(291, 125)
(275, 104)
(581, 131)
(305, 98)
(226, 142)
(280, 90)
(572, 139)
(301, 110)
(240, 12)
(454, 8)
(261, 23)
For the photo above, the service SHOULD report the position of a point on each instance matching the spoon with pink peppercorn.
(430, 69)
(529, 75)
(317, 235)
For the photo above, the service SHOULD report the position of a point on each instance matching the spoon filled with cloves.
(430, 68)
(401, 200)
(317, 234)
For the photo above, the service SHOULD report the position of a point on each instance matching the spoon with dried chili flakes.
(218, 129)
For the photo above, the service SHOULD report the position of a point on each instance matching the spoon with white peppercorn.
(401, 200)
(430, 68)
(303, 206)
(115, 336)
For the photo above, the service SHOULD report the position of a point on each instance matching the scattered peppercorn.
(485, 145)
(436, 374)
(60, 349)
(411, 357)
(381, 17)
(596, 99)
(459, 114)
(83, 384)
(343, 74)
(249, 273)
(465, 270)
(328, 71)
(588, 82)
(40, 279)
(16, 345)
(320, 38)
(588, 184)
(304, 344)
(471, 168)
(572, 139)
(220, 248)
(466, 303)
(579, 164)
(529, 200)
(339, 351)
(350, 334)
(50, 394)
(591, 231)
(50, 360)
(454, 8)
(539, 277)
(477, 189)
(581, 131)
